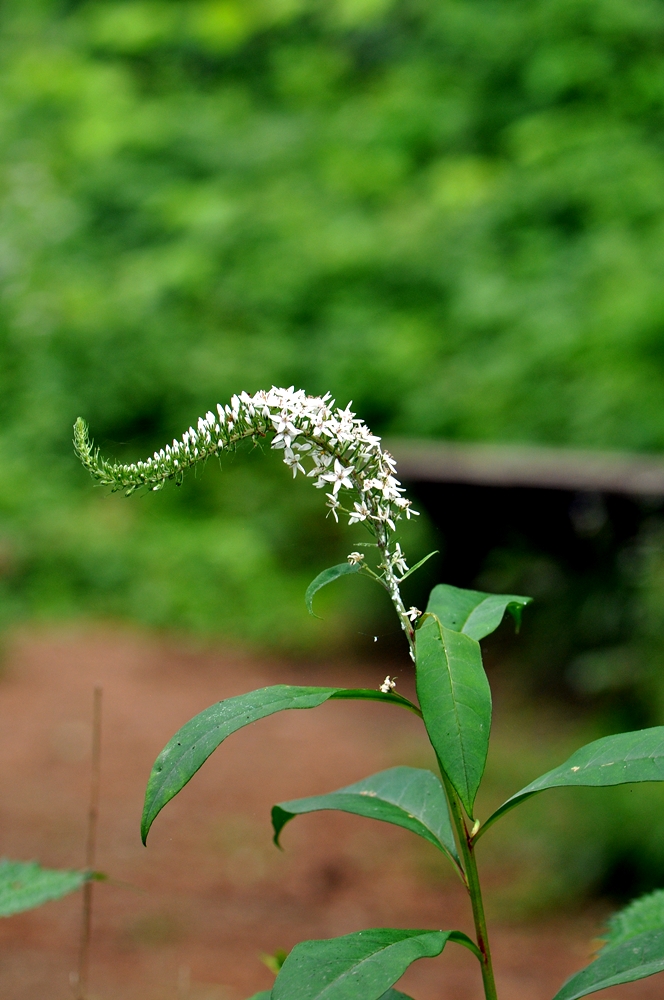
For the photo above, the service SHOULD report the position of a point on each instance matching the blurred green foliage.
(450, 212)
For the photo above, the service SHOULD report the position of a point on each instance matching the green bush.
(450, 213)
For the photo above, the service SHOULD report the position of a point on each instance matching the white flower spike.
(338, 447)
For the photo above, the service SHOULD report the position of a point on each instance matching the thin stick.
(90, 849)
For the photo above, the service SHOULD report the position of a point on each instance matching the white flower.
(361, 513)
(355, 557)
(326, 443)
(384, 515)
(333, 504)
(293, 461)
(286, 430)
(398, 561)
(373, 484)
(388, 685)
(339, 477)
(413, 613)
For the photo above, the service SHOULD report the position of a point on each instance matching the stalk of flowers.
(320, 440)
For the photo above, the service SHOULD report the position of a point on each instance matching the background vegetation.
(451, 213)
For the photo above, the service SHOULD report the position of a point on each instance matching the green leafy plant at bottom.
(454, 707)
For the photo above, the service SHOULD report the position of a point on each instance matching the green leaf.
(641, 956)
(191, 746)
(360, 966)
(455, 698)
(613, 760)
(390, 995)
(472, 612)
(25, 885)
(327, 576)
(642, 915)
(633, 949)
(413, 569)
(405, 796)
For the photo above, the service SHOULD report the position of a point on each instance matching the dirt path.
(210, 891)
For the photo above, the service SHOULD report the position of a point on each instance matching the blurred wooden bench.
(529, 466)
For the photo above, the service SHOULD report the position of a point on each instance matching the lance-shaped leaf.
(472, 612)
(390, 995)
(327, 576)
(633, 949)
(414, 569)
(455, 698)
(360, 966)
(191, 746)
(405, 796)
(613, 760)
(25, 885)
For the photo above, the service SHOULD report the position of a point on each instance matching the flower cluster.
(330, 445)
(318, 439)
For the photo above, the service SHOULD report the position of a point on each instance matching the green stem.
(473, 886)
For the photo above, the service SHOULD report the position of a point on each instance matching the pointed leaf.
(413, 569)
(327, 576)
(472, 612)
(637, 958)
(405, 796)
(191, 746)
(613, 760)
(360, 966)
(455, 698)
(25, 885)
(394, 995)
(263, 995)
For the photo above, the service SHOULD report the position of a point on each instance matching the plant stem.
(470, 875)
(473, 886)
(391, 584)
(91, 850)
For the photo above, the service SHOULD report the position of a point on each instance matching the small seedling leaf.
(410, 797)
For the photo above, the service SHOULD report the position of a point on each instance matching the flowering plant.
(339, 452)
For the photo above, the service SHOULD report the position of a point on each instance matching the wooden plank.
(524, 465)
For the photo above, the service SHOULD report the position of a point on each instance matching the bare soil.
(188, 917)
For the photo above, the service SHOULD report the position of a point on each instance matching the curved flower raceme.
(330, 445)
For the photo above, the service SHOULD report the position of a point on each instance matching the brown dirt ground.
(210, 893)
